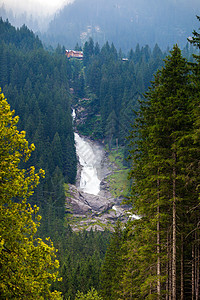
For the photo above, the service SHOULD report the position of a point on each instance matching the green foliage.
(37, 86)
(22, 38)
(28, 265)
(111, 270)
(91, 295)
(113, 87)
(163, 127)
(81, 263)
(164, 189)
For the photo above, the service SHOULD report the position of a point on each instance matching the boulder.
(95, 212)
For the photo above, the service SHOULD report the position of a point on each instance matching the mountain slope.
(124, 22)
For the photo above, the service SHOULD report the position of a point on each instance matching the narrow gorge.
(89, 203)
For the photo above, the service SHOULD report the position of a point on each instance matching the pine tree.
(160, 164)
(194, 210)
(111, 269)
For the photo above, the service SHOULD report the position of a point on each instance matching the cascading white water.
(89, 161)
(73, 114)
(89, 155)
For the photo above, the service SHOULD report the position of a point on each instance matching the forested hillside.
(108, 86)
(36, 84)
(116, 83)
(157, 256)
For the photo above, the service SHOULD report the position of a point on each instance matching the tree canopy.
(159, 259)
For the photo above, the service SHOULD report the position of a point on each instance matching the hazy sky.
(40, 7)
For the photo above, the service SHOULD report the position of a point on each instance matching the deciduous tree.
(28, 265)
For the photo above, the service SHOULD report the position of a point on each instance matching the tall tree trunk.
(158, 242)
(174, 232)
(167, 267)
(174, 252)
(167, 282)
(170, 266)
(182, 268)
(197, 266)
(193, 271)
(158, 259)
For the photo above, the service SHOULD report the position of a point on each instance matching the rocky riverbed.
(86, 211)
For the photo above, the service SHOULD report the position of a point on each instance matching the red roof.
(73, 53)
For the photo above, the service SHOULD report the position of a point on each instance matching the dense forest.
(145, 102)
(158, 256)
(37, 86)
(108, 86)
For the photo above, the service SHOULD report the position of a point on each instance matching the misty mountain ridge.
(124, 22)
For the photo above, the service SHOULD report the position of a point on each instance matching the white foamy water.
(90, 158)
(90, 155)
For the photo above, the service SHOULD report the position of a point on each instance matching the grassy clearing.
(119, 183)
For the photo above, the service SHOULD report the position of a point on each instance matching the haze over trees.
(124, 22)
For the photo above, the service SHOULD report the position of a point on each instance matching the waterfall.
(91, 158)
(90, 155)
(73, 114)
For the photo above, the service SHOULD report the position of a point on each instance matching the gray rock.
(93, 211)
(97, 212)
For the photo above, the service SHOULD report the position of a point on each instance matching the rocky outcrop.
(85, 204)
(86, 211)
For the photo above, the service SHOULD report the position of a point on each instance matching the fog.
(123, 22)
(34, 7)
(36, 14)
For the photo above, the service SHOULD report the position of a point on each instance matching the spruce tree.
(112, 266)
(159, 171)
(194, 210)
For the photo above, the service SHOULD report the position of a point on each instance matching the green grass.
(119, 183)
(66, 190)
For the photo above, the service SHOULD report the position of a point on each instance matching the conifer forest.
(142, 106)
